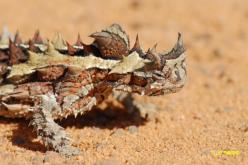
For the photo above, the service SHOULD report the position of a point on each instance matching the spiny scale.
(58, 42)
(16, 54)
(37, 39)
(136, 46)
(79, 41)
(4, 42)
(112, 43)
(17, 39)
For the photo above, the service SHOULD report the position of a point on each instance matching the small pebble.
(118, 132)
(99, 146)
(138, 149)
(133, 129)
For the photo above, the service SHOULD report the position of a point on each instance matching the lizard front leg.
(145, 110)
(53, 135)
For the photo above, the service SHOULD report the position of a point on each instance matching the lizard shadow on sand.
(109, 118)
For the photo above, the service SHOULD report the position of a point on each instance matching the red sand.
(208, 115)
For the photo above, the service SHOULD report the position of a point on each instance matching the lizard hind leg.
(53, 135)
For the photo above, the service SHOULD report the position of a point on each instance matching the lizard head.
(168, 70)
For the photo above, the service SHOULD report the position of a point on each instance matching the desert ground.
(205, 123)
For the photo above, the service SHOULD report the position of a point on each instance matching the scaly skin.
(43, 81)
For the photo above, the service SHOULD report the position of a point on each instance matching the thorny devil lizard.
(47, 80)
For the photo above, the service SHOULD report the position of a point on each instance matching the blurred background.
(210, 113)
